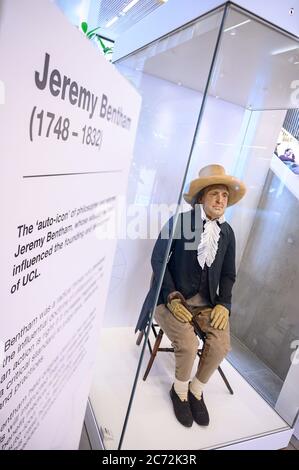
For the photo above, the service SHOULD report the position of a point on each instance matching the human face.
(214, 200)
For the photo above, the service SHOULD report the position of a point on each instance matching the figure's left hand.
(219, 317)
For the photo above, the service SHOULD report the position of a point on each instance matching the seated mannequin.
(197, 286)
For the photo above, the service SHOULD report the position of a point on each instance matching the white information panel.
(67, 124)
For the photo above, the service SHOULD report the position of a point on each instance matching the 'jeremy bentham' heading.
(67, 89)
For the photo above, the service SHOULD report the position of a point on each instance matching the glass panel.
(253, 84)
(265, 322)
(169, 116)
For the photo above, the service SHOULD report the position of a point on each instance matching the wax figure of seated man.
(197, 285)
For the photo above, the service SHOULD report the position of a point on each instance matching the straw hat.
(215, 174)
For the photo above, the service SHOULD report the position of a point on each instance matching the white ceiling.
(255, 67)
(98, 13)
(105, 10)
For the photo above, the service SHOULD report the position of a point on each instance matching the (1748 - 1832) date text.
(47, 124)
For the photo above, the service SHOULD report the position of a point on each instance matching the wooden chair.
(156, 348)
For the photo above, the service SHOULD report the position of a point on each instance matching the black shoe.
(198, 409)
(181, 409)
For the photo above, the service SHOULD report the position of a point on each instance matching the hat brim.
(236, 188)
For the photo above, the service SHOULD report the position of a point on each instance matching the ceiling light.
(285, 49)
(129, 6)
(81, 12)
(295, 63)
(237, 25)
(111, 22)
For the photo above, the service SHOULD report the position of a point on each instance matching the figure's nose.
(220, 199)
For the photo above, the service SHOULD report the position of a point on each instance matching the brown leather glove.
(219, 317)
(178, 307)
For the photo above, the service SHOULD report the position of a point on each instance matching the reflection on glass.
(287, 147)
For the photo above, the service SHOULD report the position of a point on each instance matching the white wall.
(252, 165)
(243, 142)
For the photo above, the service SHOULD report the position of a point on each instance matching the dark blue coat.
(183, 272)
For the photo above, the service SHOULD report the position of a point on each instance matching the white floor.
(244, 416)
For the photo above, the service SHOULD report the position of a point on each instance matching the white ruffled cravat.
(207, 249)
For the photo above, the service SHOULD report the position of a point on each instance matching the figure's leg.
(185, 344)
(217, 345)
(183, 339)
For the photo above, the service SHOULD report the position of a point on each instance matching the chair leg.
(225, 380)
(139, 338)
(154, 329)
(149, 346)
(153, 354)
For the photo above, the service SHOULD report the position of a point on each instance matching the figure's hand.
(219, 317)
(176, 305)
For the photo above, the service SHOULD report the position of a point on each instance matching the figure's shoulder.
(182, 216)
(183, 219)
(227, 226)
(169, 224)
(186, 214)
(227, 229)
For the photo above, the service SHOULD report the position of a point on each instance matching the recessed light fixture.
(129, 6)
(232, 33)
(295, 63)
(80, 11)
(111, 22)
(236, 25)
(283, 50)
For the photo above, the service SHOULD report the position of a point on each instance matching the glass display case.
(215, 91)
